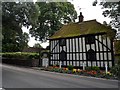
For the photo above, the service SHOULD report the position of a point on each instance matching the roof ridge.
(82, 28)
(81, 22)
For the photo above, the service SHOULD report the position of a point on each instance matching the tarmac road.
(19, 77)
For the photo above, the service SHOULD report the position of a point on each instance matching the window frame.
(62, 42)
(63, 56)
(91, 55)
(90, 39)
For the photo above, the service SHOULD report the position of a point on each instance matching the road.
(19, 77)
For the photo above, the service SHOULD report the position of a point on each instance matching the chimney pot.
(81, 17)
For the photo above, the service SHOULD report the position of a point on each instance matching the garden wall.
(21, 62)
(21, 59)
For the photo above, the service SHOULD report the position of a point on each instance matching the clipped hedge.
(21, 58)
(20, 55)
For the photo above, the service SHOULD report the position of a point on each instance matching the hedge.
(20, 58)
(20, 55)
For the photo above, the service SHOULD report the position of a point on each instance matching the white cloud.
(89, 11)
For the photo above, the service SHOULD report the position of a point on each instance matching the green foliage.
(37, 45)
(90, 72)
(12, 42)
(45, 53)
(116, 70)
(43, 19)
(117, 51)
(119, 61)
(33, 56)
(18, 14)
(14, 16)
(56, 65)
(51, 17)
(111, 10)
(19, 55)
(88, 68)
(56, 69)
(96, 68)
(113, 13)
(117, 46)
(70, 67)
(69, 71)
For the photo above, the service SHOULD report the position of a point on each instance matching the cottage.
(88, 42)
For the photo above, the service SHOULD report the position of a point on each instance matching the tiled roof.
(83, 28)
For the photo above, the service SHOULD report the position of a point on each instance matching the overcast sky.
(89, 12)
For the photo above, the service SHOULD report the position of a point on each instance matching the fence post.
(46, 64)
(83, 66)
(60, 64)
(106, 68)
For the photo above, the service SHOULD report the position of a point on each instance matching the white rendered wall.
(82, 48)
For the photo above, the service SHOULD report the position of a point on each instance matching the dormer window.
(90, 39)
(62, 42)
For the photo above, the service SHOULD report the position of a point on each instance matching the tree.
(14, 16)
(23, 41)
(9, 43)
(51, 17)
(37, 45)
(112, 10)
(12, 42)
(43, 19)
(19, 14)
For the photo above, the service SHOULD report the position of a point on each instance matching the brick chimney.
(81, 17)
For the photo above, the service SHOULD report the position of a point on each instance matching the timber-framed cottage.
(88, 42)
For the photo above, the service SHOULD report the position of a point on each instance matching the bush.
(20, 55)
(60, 70)
(56, 69)
(119, 61)
(69, 71)
(88, 68)
(70, 67)
(116, 70)
(96, 68)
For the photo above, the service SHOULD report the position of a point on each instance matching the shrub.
(56, 69)
(96, 68)
(70, 67)
(20, 55)
(119, 60)
(55, 65)
(60, 70)
(88, 68)
(69, 71)
(116, 70)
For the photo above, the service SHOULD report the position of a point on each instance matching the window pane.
(90, 39)
(62, 42)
